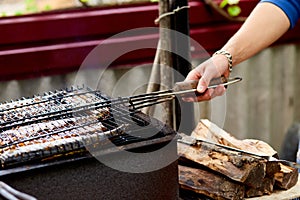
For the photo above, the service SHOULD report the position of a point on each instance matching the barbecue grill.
(51, 145)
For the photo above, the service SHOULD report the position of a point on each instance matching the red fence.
(58, 42)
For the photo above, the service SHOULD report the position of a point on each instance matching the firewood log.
(287, 177)
(209, 184)
(266, 186)
(256, 174)
(241, 168)
(207, 130)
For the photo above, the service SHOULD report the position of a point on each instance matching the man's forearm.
(264, 26)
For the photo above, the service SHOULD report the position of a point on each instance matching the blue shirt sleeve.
(290, 7)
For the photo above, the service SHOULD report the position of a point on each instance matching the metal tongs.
(180, 88)
(190, 86)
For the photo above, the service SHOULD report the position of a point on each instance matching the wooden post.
(154, 80)
(165, 59)
(180, 23)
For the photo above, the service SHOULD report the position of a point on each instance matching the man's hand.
(214, 67)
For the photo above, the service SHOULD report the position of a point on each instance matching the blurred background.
(44, 42)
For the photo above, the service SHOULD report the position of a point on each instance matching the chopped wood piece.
(209, 184)
(272, 168)
(207, 130)
(257, 175)
(286, 178)
(238, 167)
(265, 187)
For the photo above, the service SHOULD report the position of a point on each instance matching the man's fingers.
(195, 74)
(218, 91)
(204, 81)
(207, 95)
(201, 87)
(205, 73)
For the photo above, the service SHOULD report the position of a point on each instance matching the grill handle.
(192, 84)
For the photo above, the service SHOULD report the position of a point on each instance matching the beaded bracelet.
(228, 56)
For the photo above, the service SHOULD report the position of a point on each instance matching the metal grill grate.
(63, 122)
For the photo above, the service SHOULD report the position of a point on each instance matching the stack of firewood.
(223, 173)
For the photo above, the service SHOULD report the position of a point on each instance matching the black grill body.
(79, 175)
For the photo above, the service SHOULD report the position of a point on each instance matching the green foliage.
(31, 6)
(47, 7)
(233, 8)
(223, 3)
(18, 13)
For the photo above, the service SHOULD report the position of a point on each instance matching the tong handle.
(192, 84)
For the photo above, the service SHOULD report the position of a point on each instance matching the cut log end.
(286, 178)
